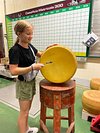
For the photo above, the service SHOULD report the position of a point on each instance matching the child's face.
(27, 35)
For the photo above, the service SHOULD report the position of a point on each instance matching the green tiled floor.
(5, 82)
(8, 118)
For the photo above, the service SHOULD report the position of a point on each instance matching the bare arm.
(39, 53)
(15, 70)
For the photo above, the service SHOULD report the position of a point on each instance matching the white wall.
(13, 5)
(86, 70)
(2, 17)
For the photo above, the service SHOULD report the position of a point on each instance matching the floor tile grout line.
(33, 116)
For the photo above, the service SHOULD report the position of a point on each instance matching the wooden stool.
(57, 96)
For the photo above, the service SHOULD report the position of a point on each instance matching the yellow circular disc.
(59, 64)
(95, 83)
(91, 101)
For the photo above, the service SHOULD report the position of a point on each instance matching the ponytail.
(17, 40)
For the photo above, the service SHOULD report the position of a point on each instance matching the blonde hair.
(20, 26)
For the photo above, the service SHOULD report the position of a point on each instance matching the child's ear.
(18, 33)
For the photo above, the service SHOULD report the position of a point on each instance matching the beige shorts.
(25, 90)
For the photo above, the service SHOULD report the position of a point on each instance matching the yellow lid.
(59, 64)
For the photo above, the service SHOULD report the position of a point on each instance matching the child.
(22, 61)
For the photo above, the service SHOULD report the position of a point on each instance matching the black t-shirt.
(22, 56)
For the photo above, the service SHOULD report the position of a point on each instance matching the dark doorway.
(2, 51)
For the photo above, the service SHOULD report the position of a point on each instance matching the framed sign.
(65, 23)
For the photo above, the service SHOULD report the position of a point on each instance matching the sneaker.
(32, 130)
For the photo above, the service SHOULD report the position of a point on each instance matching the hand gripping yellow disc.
(59, 64)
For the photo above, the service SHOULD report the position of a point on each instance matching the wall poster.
(66, 23)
